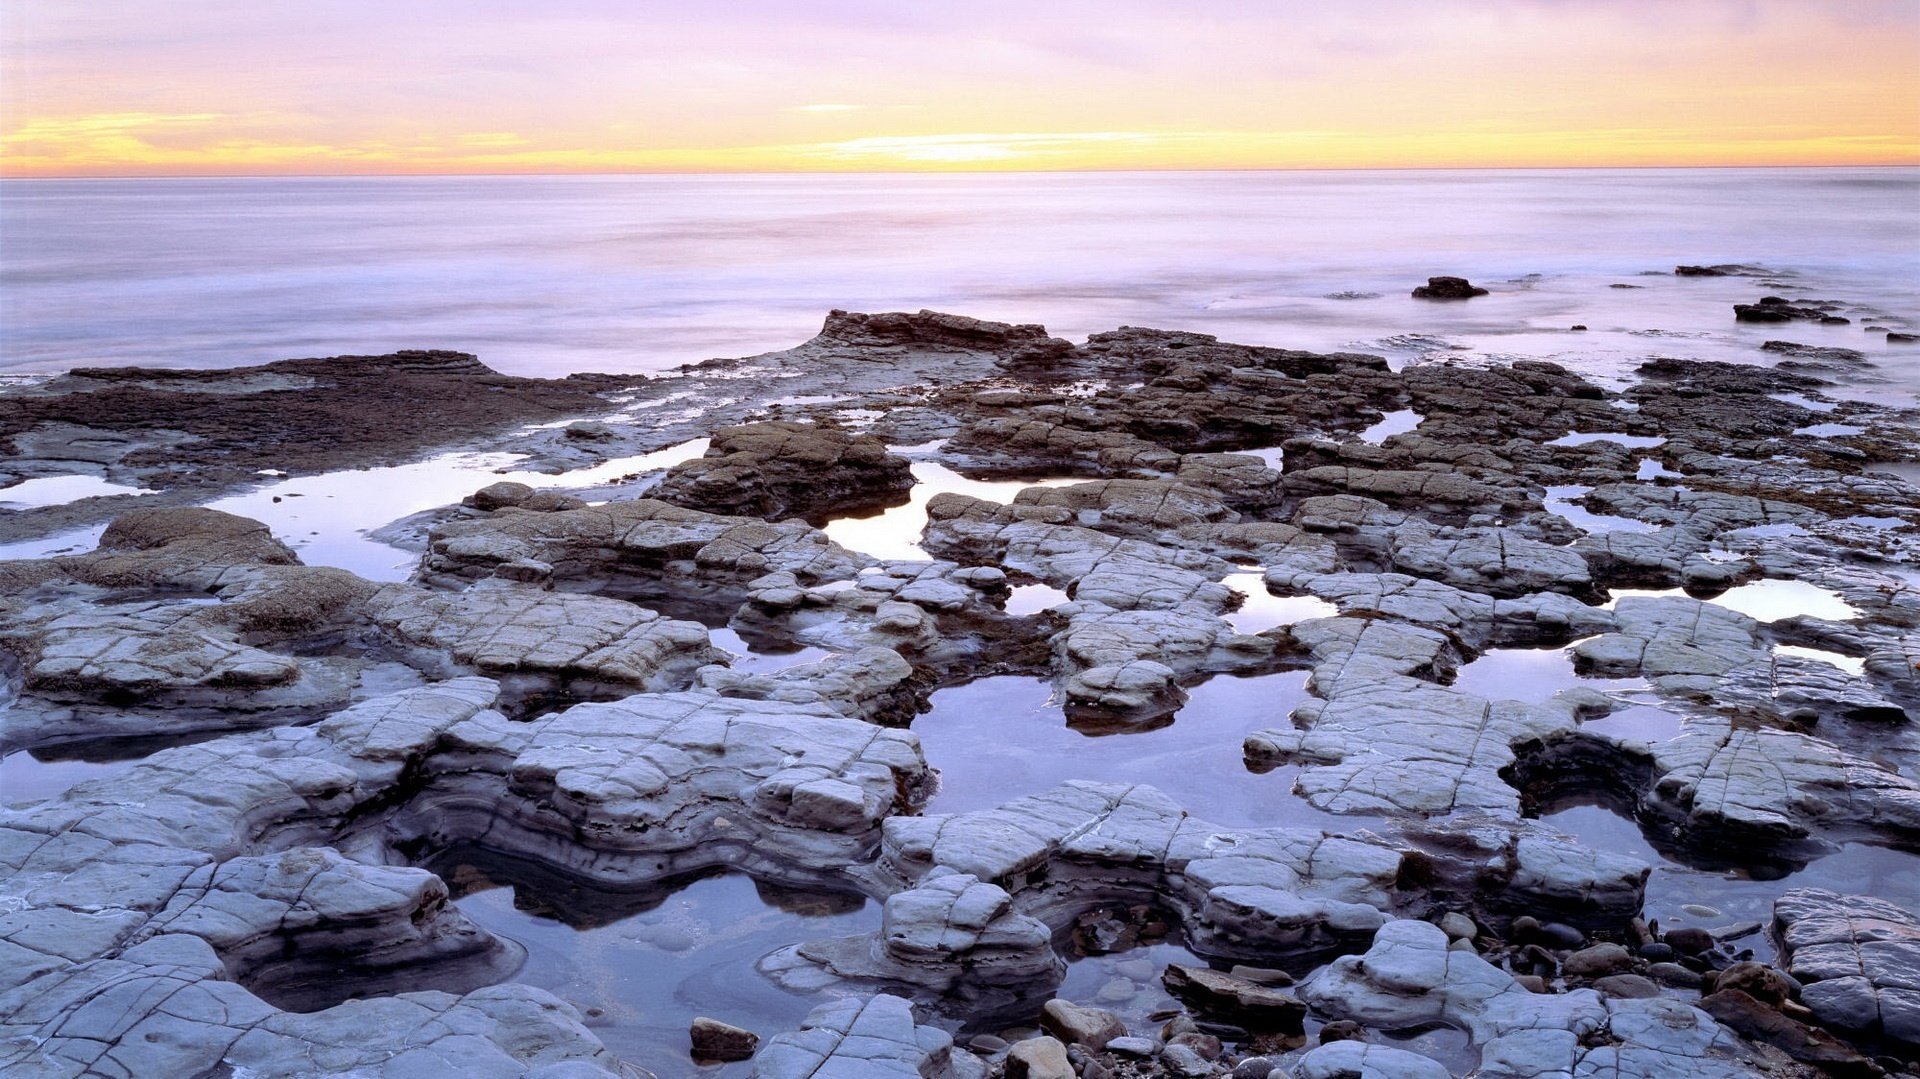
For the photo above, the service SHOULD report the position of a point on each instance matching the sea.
(543, 275)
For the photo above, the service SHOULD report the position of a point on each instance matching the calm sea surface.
(544, 275)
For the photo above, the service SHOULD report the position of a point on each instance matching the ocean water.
(548, 275)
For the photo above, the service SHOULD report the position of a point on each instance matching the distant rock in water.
(1826, 353)
(1447, 288)
(1777, 309)
(1725, 269)
(1897, 337)
(1350, 294)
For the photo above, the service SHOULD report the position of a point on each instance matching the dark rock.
(1757, 980)
(1342, 1030)
(1657, 952)
(1447, 288)
(1598, 960)
(1688, 940)
(1754, 1019)
(1898, 337)
(1675, 975)
(1561, 935)
(1206, 1045)
(714, 1040)
(1238, 1000)
(1627, 986)
(1722, 270)
(782, 469)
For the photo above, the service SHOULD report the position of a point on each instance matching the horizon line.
(1091, 169)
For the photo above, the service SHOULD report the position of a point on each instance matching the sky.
(263, 87)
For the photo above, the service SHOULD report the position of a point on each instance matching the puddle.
(59, 490)
(1034, 598)
(326, 517)
(1653, 469)
(642, 965)
(1773, 599)
(1639, 722)
(1394, 423)
(1262, 610)
(1849, 664)
(894, 534)
(1804, 401)
(1127, 983)
(1003, 737)
(1883, 524)
(1563, 501)
(1829, 430)
(1530, 674)
(1274, 456)
(761, 660)
(1738, 895)
(27, 778)
(1633, 442)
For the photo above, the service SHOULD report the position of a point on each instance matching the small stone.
(1461, 946)
(1525, 928)
(588, 430)
(1532, 983)
(1688, 941)
(1140, 970)
(714, 1040)
(1179, 1059)
(1447, 288)
(1133, 1047)
(1657, 952)
(1074, 1024)
(1253, 1068)
(1117, 991)
(1736, 931)
(1627, 986)
(1561, 935)
(1600, 959)
(1675, 975)
(1237, 1000)
(1039, 1058)
(1700, 910)
(1458, 926)
(1342, 1030)
(987, 1044)
(1176, 1026)
(1206, 1045)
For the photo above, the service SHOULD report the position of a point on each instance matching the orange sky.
(158, 87)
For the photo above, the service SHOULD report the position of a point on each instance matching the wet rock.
(783, 469)
(1409, 978)
(1140, 1048)
(1073, 1024)
(1760, 1022)
(1597, 960)
(1351, 1059)
(1447, 288)
(1341, 1030)
(1628, 986)
(1675, 975)
(875, 1037)
(715, 1040)
(1038, 1058)
(1775, 309)
(1858, 959)
(1236, 1000)
(1687, 940)
(1182, 1060)
(1721, 270)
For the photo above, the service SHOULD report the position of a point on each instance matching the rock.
(714, 1040)
(496, 495)
(1236, 1000)
(588, 431)
(1204, 1044)
(1687, 940)
(875, 1038)
(782, 469)
(1038, 1058)
(1181, 1060)
(987, 1044)
(1458, 926)
(1358, 1060)
(1627, 986)
(1133, 1047)
(1255, 1067)
(1561, 935)
(1341, 1030)
(1675, 975)
(1447, 288)
(1857, 958)
(1597, 960)
(1074, 1024)
(1811, 1045)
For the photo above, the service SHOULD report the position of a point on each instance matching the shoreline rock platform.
(248, 890)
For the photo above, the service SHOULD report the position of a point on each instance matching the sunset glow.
(344, 86)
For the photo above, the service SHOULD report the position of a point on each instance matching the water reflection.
(1393, 423)
(641, 965)
(57, 490)
(999, 738)
(894, 534)
(1261, 610)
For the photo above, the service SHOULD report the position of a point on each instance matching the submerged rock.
(1447, 288)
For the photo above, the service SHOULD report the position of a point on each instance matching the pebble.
(1627, 986)
(1458, 926)
(1736, 931)
(987, 1044)
(1342, 1030)
(1657, 952)
(1253, 1068)
(1598, 960)
(1675, 975)
(1133, 1047)
(1562, 935)
(1183, 1061)
(1140, 970)
(1116, 991)
(1688, 941)
(1700, 910)
(1206, 1045)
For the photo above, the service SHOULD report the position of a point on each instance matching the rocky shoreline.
(552, 687)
